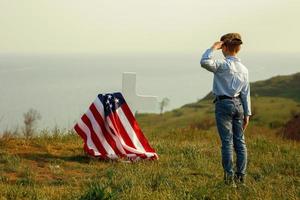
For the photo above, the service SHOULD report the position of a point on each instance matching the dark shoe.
(229, 180)
(239, 179)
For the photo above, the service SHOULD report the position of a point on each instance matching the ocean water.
(61, 87)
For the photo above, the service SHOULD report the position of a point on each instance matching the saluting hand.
(217, 45)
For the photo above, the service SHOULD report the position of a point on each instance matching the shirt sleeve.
(208, 62)
(245, 96)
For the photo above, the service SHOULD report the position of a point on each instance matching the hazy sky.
(159, 26)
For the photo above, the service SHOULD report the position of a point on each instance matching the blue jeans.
(229, 118)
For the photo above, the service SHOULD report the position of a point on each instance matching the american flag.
(110, 131)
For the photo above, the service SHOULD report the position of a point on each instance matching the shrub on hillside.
(177, 113)
(292, 128)
(30, 119)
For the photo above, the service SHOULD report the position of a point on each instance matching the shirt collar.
(233, 58)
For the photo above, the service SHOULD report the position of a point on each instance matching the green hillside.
(279, 86)
(54, 166)
(287, 86)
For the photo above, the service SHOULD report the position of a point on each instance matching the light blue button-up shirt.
(230, 78)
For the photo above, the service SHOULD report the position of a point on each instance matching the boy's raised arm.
(207, 62)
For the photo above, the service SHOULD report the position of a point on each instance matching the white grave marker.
(140, 103)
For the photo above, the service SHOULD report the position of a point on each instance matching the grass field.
(189, 167)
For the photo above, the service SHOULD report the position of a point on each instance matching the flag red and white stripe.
(110, 131)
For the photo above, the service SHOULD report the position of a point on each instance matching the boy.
(232, 104)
